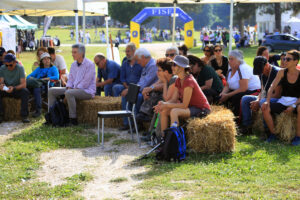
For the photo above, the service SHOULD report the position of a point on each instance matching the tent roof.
(12, 22)
(52, 7)
(197, 1)
(20, 19)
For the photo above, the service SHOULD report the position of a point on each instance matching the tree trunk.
(278, 17)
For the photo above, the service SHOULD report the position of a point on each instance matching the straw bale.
(213, 134)
(87, 110)
(12, 108)
(285, 126)
(257, 119)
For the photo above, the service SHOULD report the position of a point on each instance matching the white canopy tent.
(54, 8)
(174, 2)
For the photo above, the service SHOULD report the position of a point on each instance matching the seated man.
(171, 52)
(130, 71)
(81, 83)
(60, 63)
(13, 84)
(148, 77)
(267, 74)
(206, 77)
(289, 79)
(109, 70)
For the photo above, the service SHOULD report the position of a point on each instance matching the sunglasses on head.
(218, 50)
(288, 59)
(170, 54)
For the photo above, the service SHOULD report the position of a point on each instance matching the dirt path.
(107, 165)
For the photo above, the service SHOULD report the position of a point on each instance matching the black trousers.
(211, 95)
(22, 94)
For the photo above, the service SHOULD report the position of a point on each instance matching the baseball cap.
(181, 61)
(9, 58)
(259, 65)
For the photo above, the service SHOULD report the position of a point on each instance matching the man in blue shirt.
(148, 77)
(109, 70)
(130, 71)
(237, 40)
(267, 74)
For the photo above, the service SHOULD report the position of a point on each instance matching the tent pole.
(76, 25)
(83, 22)
(231, 25)
(106, 23)
(174, 21)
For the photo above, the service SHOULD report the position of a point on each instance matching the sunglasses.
(218, 50)
(288, 59)
(9, 65)
(170, 55)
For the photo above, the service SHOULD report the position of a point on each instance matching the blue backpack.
(174, 145)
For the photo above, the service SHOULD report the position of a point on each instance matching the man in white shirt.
(59, 62)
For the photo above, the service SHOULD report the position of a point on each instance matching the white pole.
(174, 20)
(83, 22)
(231, 25)
(107, 38)
(76, 25)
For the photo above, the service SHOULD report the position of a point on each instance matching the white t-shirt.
(247, 73)
(60, 63)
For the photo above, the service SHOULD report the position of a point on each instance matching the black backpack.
(58, 114)
(174, 145)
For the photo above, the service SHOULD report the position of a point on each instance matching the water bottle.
(174, 125)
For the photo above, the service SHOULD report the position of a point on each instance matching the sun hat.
(45, 55)
(181, 61)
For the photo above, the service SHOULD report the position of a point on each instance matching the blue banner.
(160, 11)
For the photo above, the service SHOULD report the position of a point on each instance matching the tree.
(124, 12)
(243, 12)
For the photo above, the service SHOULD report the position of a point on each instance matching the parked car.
(281, 42)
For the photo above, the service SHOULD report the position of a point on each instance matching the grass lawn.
(255, 170)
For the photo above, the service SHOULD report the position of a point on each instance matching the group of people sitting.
(175, 86)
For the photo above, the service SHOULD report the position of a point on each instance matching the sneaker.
(271, 138)
(296, 141)
(37, 113)
(25, 120)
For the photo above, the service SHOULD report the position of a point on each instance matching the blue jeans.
(137, 107)
(246, 110)
(108, 91)
(117, 89)
(37, 93)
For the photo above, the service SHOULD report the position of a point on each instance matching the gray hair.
(80, 47)
(173, 48)
(238, 54)
(142, 52)
(131, 45)
(100, 56)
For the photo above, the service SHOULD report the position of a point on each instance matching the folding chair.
(131, 98)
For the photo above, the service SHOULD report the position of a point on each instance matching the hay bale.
(257, 119)
(12, 108)
(213, 134)
(285, 126)
(87, 110)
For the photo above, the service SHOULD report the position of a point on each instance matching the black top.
(224, 66)
(288, 89)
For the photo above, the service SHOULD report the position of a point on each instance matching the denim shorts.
(198, 112)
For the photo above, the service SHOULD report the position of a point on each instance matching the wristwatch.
(152, 87)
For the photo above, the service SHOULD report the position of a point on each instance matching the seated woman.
(263, 51)
(289, 79)
(220, 63)
(39, 52)
(46, 71)
(187, 100)
(208, 54)
(207, 78)
(240, 82)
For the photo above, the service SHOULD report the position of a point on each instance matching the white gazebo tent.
(54, 8)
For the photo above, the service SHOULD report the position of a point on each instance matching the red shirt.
(198, 99)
